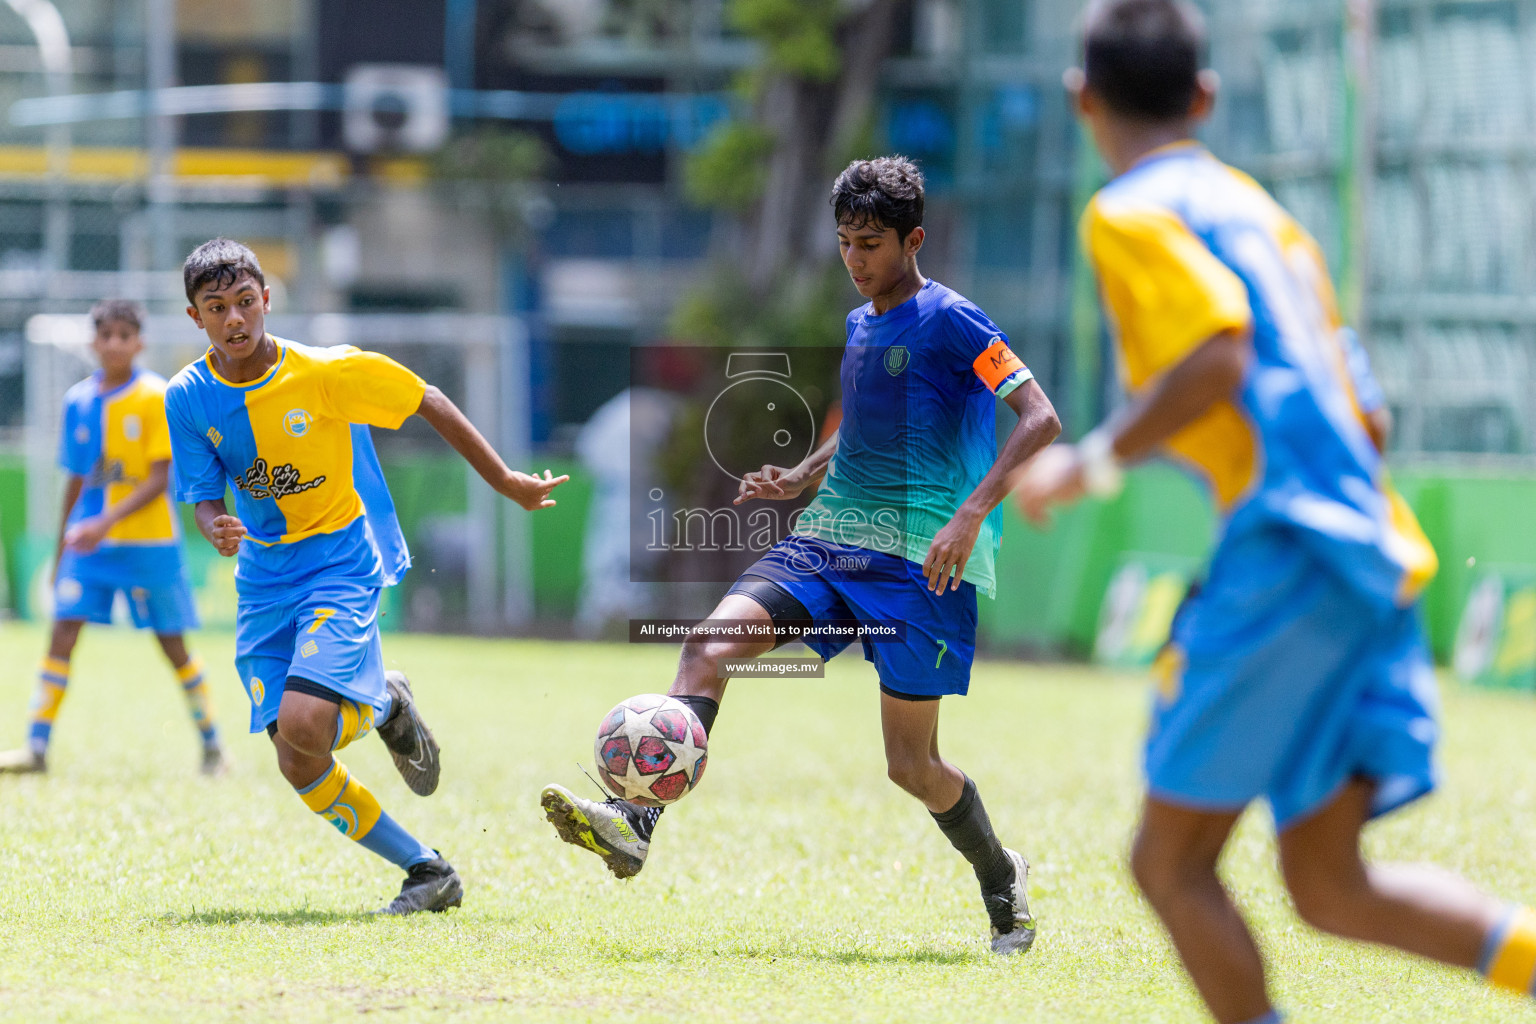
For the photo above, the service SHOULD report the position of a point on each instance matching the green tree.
(809, 103)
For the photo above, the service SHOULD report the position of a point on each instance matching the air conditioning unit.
(395, 108)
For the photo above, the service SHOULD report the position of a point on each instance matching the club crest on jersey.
(296, 422)
(896, 359)
(280, 482)
(131, 427)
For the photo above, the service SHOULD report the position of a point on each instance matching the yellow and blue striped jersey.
(1186, 248)
(295, 447)
(110, 439)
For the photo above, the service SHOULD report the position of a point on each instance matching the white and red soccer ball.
(650, 750)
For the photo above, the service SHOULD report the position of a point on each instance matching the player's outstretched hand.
(86, 535)
(950, 550)
(532, 492)
(225, 532)
(773, 483)
(1053, 477)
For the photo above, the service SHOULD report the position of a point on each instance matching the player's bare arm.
(529, 491)
(72, 489)
(223, 530)
(86, 535)
(951, 549)
(775, 483)
(1211, 373)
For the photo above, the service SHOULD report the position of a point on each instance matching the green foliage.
(796, 313)
(492, 172)
(728, 171)
(796, 885)
(798, 35)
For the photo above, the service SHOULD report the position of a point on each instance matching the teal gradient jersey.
(919, 428)
(295, 447)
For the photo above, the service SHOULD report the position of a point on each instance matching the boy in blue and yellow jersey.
(119, 534)
(1299, 674)
(903, 529)
(314, 529)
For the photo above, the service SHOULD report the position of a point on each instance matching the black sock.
(968, 828)
(705, 707)
(643, 819)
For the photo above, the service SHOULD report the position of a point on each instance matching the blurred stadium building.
(1399, 131)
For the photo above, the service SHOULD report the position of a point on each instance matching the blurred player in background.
(1299, 674)
(286, 426)
(903, 529)
(119, 532)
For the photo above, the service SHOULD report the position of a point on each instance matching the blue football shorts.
(1292, 684)
(153, 581)
(835, 582)
(326, 633)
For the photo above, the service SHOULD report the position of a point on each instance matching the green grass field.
(796, 885)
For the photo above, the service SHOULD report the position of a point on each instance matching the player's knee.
(66, 632)
(704, 654)
(1149, 874)
(1159, 873)
(306, 731)
(911, 773)
(1327, 903)
(1318, 908)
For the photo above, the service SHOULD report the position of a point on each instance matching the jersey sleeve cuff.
(1011, 383)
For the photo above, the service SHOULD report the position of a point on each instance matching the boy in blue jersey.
(119, 534)
(286, 425)
(1299, 674)
(903, 529)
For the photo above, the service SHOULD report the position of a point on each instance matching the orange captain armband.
(997, 364)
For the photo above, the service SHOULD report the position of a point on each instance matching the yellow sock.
(346, 803)
(52, 678)
(198, 703)
(1509, 955)
(343, 801)
(353, 721)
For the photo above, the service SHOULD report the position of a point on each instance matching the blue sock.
(347, 804)
(395, 844)
(1272, 1017)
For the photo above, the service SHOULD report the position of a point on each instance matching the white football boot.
(606, 828)
(23, 762)
(1013, 927)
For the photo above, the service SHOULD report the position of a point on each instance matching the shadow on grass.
(297, 918)
(849, 957)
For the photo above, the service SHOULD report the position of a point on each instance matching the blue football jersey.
(919, 428)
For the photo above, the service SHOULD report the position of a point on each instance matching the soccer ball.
(650, 750)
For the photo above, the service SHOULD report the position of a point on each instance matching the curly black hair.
(886, 192)
(219, 262)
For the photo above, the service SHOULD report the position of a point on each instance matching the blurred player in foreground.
(119, 532)
(902, 530)
(1299, 674)
(286, 425)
